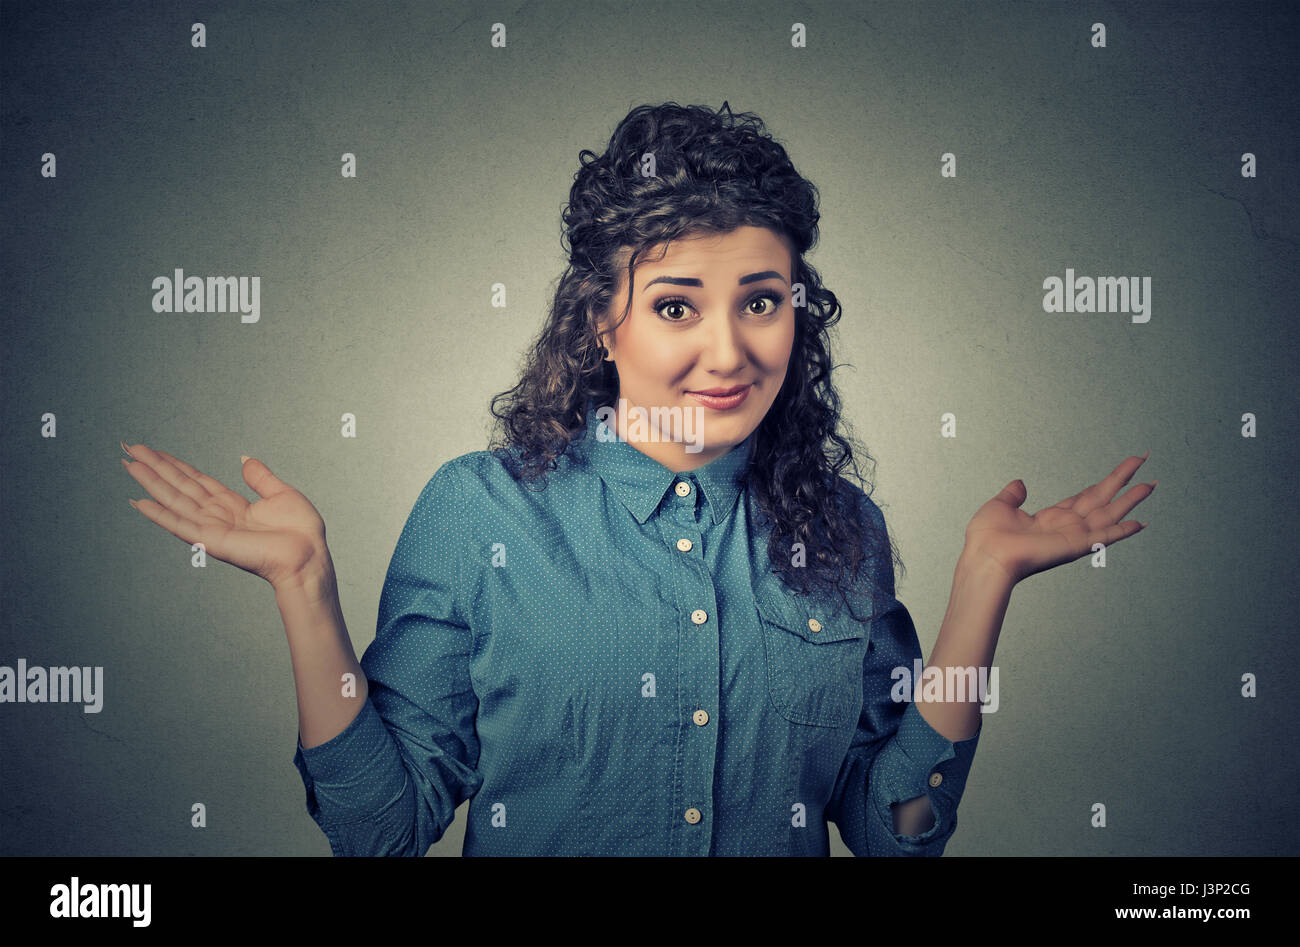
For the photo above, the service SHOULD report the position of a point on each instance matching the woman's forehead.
(738, 246)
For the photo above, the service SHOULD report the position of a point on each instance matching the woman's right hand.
(280, 537)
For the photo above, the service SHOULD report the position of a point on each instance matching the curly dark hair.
(715, 171)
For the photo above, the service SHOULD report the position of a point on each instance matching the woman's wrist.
(974, 566)
(312, 583)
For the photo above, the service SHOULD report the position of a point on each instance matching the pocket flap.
(805, 617)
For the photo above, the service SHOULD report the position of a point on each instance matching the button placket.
(699, 656)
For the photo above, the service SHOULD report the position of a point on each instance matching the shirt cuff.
(354, 775)
(910, 765)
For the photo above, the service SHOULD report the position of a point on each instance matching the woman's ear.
(605, 342)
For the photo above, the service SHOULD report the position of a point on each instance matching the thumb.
(258, 476)
(1013, 493)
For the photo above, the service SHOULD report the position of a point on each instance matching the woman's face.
(713, 313)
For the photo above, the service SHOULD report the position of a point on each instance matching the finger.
(258, 476)
(216, 490)
(180, 527)
(165, 483)
(1109, 535)
(1119, 508)
(1068, 502)
(1099, 494)
(161, 464)
(1013, 494)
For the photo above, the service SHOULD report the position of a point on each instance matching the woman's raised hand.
(1020, 544)
(280, 537)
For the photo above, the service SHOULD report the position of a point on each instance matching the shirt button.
(692, 815)
(683, 488)
(699, 616)
(936, 779)
(814, 625)
(701, 717)
(684, 545)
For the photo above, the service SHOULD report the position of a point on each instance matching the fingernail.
(125, 463)
(127, 449)
(1153, 484)
(133, 506)
(243, 459)
(1146, 455)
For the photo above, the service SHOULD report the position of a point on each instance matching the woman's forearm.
(977, 605)
(321, 653)
(967, 638)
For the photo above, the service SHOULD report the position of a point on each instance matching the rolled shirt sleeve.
(390, 782)
(357, 787)
(895, 754)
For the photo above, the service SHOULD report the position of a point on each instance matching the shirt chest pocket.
(814, 662)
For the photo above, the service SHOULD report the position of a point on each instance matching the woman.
(654, 619)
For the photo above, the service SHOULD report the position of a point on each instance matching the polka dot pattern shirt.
(608, 666)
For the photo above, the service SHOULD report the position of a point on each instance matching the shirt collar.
(640, 481)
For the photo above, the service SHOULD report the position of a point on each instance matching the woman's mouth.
(722, 402)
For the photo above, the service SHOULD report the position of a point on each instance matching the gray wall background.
(1118, 686)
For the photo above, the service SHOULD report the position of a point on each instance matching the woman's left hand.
(1020, 545)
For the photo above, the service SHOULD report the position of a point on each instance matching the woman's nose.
(724, 349)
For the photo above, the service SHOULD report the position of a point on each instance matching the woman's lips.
(721, 402)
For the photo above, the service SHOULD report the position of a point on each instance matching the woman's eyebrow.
(692, 281)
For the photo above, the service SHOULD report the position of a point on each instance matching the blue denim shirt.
(609, 666)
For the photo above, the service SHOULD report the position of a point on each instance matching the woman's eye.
(665, 304)
(773, 303)
(667, 309)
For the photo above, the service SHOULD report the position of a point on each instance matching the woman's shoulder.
(481, 474)
(859, 503)
(877, 538)
(476, 469)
